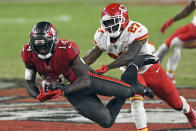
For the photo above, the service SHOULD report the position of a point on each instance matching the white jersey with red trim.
(133, 32)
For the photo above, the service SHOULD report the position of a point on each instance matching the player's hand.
(140, 89)
(166, 25)
(46, 93)
(63, 89)
(142, 60)
(102, 70)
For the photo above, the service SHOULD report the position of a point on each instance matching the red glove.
(47, 95)
(103, 69)
(166, 25)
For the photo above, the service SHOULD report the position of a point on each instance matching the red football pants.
(184, 33)
(158, 81)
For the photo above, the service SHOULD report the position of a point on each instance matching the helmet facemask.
(113, 25)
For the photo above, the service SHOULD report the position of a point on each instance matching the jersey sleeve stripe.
(150, 43)
(142, 37)
(108, 78)
(101, 31)
(95, 42)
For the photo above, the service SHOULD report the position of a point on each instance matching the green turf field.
(78, 22)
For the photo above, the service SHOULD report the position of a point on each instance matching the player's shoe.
(191, 116)
(140, 89)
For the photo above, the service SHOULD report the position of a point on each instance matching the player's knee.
(106, 121)
(106, 124)
(176, 42)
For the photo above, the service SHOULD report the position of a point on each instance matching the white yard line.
(26, 111)
(22, 20)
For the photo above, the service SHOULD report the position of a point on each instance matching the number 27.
(133, 28)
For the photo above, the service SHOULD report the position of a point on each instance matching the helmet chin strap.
(114, 35)
(45, 56)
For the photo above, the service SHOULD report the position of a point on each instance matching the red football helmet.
(43, 39)
(114, 19)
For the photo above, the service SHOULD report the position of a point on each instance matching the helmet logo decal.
(122, 9)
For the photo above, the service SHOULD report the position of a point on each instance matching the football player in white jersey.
(124, 39)
(183, 37)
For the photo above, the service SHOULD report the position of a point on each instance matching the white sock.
(161, 52)
(186, 107)
(139, 114)
(176, 45)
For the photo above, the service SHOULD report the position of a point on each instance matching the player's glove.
(142, 60)
(166, 25)
(46, 93)
(63, 89)
(140, 89)
(102, 70)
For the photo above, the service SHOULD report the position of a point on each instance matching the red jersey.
(60, 61)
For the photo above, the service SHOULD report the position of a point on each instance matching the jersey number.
(133, 28)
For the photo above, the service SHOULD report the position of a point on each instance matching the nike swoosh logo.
(157, 70)
(140, 30)
(70, 46)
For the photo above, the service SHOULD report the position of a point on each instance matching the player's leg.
(161, 52)
(176, 45)
(180, 39)
(189, 112)
(165, 47)
(108, 86)
(137, 105)
(139, 113)
(92, 108)
(164, 88)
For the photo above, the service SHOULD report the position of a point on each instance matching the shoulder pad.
(26, 53)
(138, 30)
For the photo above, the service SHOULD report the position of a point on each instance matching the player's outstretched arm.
(144, 59)
(81, 72)
(128, 56)
(30, 75)
(92, 55)
(82, 82)
(125, 58)
(184, 13)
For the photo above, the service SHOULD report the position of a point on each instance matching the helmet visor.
(112, 24)
(41, 45)
(42, 49)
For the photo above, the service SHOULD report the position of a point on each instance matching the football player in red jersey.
(123, 39)
(53, 59)
(183, 37)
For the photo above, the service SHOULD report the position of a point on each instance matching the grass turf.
(78, 21)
